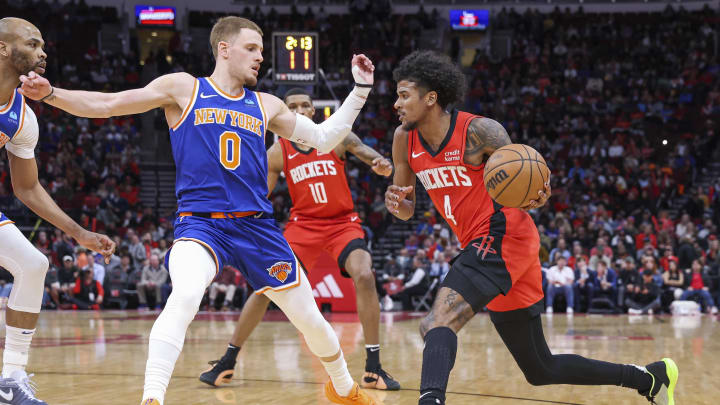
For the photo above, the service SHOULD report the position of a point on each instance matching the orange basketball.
(514, 174)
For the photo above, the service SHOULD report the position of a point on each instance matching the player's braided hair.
(433, 71)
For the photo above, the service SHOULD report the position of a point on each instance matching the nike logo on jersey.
(414, 155)
(353, 218)
(8, 396)
(202, 95)
(293, 155)
(321, 153)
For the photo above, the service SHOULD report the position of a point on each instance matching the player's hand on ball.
(543, 196)
(362, 69)
(97, 242)
(382, 166)
(394, 195)
(34, 86)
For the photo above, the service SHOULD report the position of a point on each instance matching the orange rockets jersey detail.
(317, 183)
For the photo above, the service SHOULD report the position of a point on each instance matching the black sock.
(633, 377)
(231, 354)
(438, 360)
(372, 362)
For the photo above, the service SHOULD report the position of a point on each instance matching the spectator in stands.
(403, 259)
(583, 283)
(67, 275)
(416, 284)
(561, 279)
(699, 287)
(87, 293)
(42, 243)
(154, 275)
(645, 237)
(391, 271)
(439, 266)
(137, 251)
(645, 298)
(628, 279)
(225, 283)
(673, 283)
(560, 249)
(601, 252)
(51, 297)
(605, 283)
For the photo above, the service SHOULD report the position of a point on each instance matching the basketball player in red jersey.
(322, 218)
(499, 266)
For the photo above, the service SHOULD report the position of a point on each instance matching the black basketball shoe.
(220, 372)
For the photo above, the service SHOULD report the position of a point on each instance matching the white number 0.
(318, 193)
(448, 210)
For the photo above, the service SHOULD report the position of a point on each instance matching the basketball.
(514, 174)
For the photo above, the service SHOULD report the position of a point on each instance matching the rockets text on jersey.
(317, 183)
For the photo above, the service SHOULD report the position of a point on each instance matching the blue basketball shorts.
(255, 246)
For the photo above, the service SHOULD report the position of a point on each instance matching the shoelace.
(28, 387)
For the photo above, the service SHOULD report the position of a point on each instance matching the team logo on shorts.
(280, 270)
(485, 246)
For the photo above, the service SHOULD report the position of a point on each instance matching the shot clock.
(295, 57)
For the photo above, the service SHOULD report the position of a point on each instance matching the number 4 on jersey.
(448, 210)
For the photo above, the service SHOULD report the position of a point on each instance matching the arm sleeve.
(23, 143)
(328, 134)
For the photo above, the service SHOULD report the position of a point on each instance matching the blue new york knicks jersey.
(219, 151)
(12, 117)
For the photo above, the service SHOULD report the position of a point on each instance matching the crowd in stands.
(625, 110)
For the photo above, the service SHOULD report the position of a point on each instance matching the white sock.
(158, 369)
(339, 375)
(17, 346)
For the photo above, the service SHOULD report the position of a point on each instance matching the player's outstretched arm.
(24, 177)
(275, 165)
(400, 196)
(328, 134)
(161, 92)
(370, 156)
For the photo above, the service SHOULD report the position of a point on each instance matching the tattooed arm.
(368, 155)
(484, 136)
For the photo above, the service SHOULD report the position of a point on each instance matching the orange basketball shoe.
(356, 396)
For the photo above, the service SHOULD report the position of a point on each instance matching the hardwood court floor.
(99, 358)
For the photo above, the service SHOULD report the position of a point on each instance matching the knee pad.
(29, 282)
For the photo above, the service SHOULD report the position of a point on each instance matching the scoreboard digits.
(295, 57)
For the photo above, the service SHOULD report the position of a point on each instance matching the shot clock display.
(295, 57)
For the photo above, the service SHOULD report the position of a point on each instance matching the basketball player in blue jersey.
(20, 52)
(217, 130)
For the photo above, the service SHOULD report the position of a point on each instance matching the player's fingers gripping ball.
(515, 174)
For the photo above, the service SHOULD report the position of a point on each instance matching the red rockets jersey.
(317, 183)
(457, 189)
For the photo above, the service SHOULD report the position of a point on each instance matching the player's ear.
(223, 49)
(4, 49)
(431, 98)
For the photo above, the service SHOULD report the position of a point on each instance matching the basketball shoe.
(664, 374)
(220, 372)
(18, 390)
(356, 396)
(150, 401)
(379, 380)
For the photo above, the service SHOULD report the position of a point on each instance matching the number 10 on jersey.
(318, 193)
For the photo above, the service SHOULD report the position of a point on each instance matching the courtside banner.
(155, 15)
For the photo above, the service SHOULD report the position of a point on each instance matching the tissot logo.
(498, 178)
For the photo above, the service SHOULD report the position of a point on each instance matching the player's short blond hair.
(227, 27)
